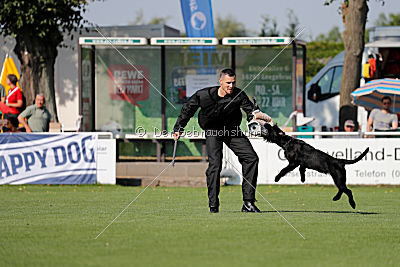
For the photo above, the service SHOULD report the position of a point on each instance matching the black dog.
(299, 153)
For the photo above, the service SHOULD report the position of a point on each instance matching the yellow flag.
(8, 68)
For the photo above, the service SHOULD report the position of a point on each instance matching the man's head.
(227, 79)
(386, 102)
(39, 100)
(12, 79)
(349, 126)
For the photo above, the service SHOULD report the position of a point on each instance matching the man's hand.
(262, 116)
(176, 135)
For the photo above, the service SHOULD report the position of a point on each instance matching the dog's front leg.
(286, 170)
(302, 173)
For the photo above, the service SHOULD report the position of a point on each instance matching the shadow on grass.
(327, 211)
(320, 211)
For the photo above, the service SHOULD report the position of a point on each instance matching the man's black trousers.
(243, 149)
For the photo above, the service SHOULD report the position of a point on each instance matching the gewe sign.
(48, 159)
(128, 83)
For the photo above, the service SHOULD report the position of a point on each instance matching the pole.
(294, 57)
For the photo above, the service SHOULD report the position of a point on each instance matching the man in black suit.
(220, 116)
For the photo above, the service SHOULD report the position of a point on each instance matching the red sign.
(128, 83)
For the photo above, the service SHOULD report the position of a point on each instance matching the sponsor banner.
(380, 166)
(197, 16)
(48, 159)
(106, 155)
(128, 83)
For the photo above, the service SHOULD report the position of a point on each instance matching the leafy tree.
(38, 27)
(318, 55)
(139, 19)
(333, 35)
(159, 20)
(293, 22)
(354, 16)
(229, 27)
(269, 27)
(392, 20)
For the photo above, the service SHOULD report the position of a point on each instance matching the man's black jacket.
(215, 112)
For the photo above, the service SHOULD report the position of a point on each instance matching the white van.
(323, 91)
(323, 104)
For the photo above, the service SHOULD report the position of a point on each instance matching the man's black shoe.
(248, 206)
(214, 210)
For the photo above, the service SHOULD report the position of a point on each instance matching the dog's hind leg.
(339, 177)
(350, 196)
(345, 189)
(337, 180)
(302, 173)
(338, 196)
(286, 170)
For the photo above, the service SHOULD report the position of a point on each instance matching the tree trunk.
(355, 17)
(37, 58)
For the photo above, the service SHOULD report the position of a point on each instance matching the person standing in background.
(14, 99)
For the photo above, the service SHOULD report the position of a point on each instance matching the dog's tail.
(346, 161)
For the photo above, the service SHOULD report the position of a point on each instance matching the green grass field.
(56, 225)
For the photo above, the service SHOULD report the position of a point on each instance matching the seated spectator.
(383, 119)
(38, 117)
(349, 126)
(12, 124)
(14, 99)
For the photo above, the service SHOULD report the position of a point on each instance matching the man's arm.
(247, 106)
(370, 120)
(16, 105)
(23, 122)
(21, 118)
(369, 124)
(395, 123)
(187, 111)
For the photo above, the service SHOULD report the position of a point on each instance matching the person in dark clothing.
(220, 116)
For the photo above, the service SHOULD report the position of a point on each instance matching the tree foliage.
(269, 27)
(333, 35)
(41, 19)
(293, 22)
(229, 27)
(319, 54)
(39, 27)
(355, 17)
(392, 20)
(140, 20)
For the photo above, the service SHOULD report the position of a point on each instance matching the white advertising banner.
(48, 158)
(106, 155)
(380, 166)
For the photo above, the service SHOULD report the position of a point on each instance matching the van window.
(325, 82)
(337, 80)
